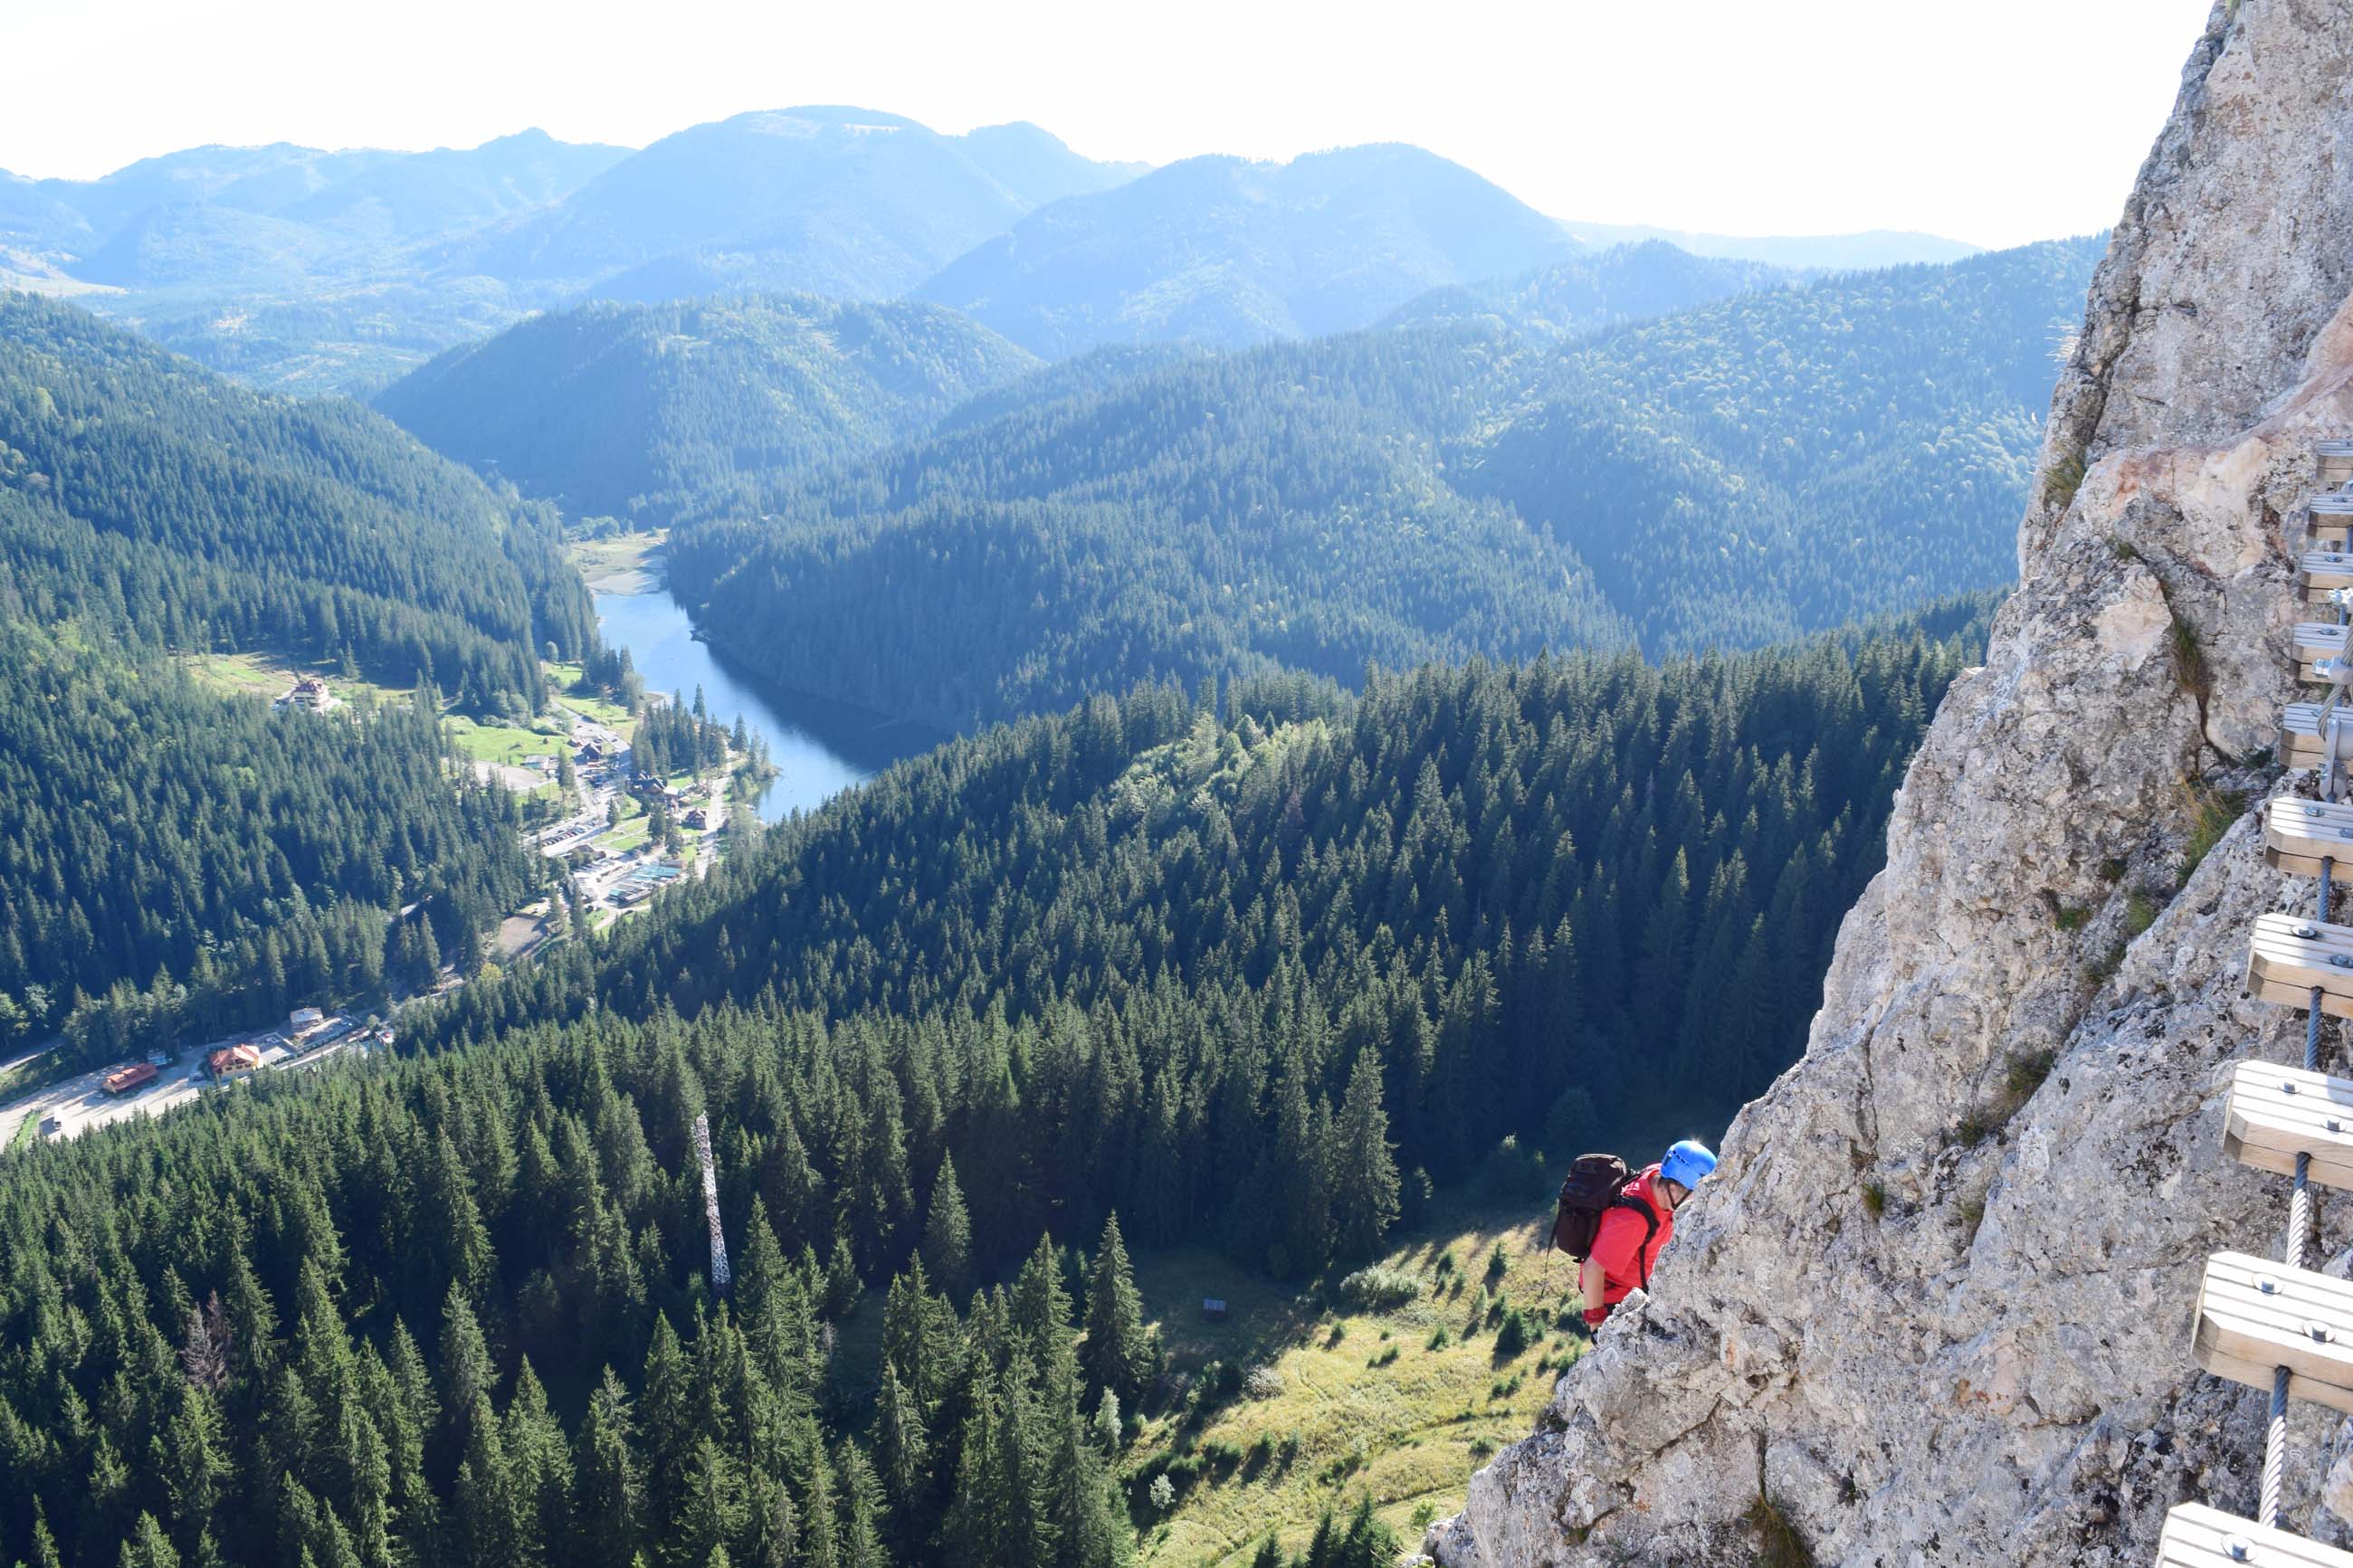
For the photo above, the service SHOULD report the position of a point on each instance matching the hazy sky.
(1993, 121)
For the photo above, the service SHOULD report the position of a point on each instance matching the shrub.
(1262, 1382)
(1875, 1198)
(1445, 1264)
(1513, 1174)
(1481, 1448)
(1229, 1378)
(1378, 1288)
(1423, 1513)
(1164, 1493)
(1511, 1338)
(2212, 813)
(1778, 1542)
(1499, 1262)
(1439, 1337)
(1221, 1454)
(1385, 1358)
(1339, 1331)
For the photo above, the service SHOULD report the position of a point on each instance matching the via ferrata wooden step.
(2197, 1536)
(2274, 1113)
(2255, 1314)
(2298, 835)
(2327, 519)
(2323, 571)
(2335, 462)
(2314, 641)
(2290, 957)
(2301, 743)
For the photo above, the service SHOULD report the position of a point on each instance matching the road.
(81, 1103)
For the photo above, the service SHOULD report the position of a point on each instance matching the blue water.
(820, 748)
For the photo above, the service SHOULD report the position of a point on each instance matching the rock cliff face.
(1937, 1307)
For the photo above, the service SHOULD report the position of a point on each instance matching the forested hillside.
(1834, 451)
(635, 410)
(138, 489)
(1285, 508)
(1586, 294)
(1246, 973)
(1223, 253)
(190, 864)
(174, 862)
(1769, 465)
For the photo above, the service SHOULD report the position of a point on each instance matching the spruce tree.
(1364, 1166)
(947, 1235)
(1116, 1352)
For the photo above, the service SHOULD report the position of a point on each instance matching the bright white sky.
(1991, 121)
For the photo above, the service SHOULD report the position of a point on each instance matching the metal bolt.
(2288, 1087)
(2318, 1330)
(2334, 1125)
(2311, 811)
(2237, 1548)
(2267, 1284)
(2340, 961)
(2307, 930)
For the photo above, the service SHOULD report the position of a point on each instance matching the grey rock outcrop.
(1935, 1308)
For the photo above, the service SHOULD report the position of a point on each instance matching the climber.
(1635, 1226)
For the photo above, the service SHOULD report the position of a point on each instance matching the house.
(311, 690)
(1214, 1309)
(698, 818)
(591, 753)
(125, 1078)
(303, 1019)
(232, 1060)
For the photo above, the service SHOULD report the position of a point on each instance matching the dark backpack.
(1595, 1185)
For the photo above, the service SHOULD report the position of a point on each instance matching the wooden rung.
(2301, 744)
(2323, 571)
(2197, 1536)
(2276, 1113)
(2335, 461)
(2254, 1314)
(2284, 963)
(2299, 833)
(2314, 641)
(2327, 518)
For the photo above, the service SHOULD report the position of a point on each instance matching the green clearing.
(262, 674)
(506, 744)
(32, 1073)
(1375, 1410)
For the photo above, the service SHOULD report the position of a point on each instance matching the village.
(625, 838)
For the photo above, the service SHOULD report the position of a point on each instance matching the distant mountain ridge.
(1587, 293)
(1871, 247)
(1224, 253)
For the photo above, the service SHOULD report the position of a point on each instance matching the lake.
(820, 748)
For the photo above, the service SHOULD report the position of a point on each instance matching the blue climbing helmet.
(1687, 1162)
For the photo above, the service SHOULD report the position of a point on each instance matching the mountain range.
(307, 269)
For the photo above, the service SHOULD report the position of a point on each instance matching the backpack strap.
(1651, 1218)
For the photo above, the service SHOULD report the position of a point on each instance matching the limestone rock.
(1936, 1305)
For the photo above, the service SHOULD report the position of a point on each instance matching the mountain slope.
(1872, 247)
(140, 488)
(848, 203)
(1226, 253)
(1769, 465)
(174, 864)
(1937, 1303)
(1587, 293)
(632, 411)
(1835, 451)
(1282, 508)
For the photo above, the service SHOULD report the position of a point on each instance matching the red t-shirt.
(1625, 1261)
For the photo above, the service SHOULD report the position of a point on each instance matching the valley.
(803, 839)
